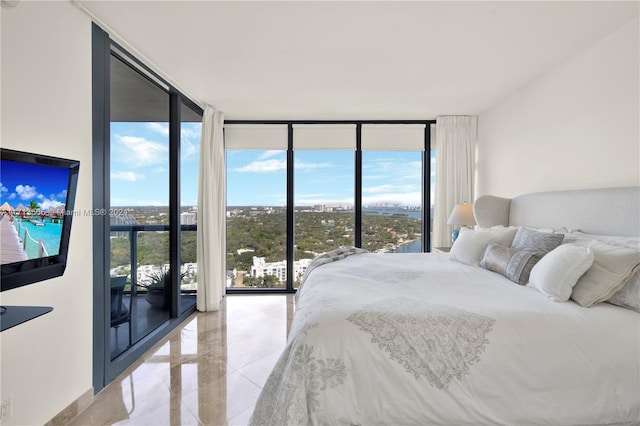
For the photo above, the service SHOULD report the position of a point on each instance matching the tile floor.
(208, 371)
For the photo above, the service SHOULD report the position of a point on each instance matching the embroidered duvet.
(417, 339)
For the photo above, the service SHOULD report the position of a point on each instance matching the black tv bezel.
(18, 274)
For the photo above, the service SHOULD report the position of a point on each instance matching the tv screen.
(37, 194)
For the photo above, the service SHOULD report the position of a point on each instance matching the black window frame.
(103, 48)
(290, 207)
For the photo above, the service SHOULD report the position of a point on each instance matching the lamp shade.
(462, 215)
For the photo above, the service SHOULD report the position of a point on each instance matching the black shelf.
(15, 315)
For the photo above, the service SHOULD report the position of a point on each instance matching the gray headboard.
(609, 211)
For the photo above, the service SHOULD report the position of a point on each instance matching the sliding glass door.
(139, 213)
(146, 139)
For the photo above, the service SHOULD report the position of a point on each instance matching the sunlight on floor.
(208, 371)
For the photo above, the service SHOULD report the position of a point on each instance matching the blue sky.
(140, 172)
(21, 183)
(324, 177)
(140, 164)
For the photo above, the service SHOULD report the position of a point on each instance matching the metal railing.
(132, 231)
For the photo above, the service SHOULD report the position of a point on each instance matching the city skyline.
(140, 172)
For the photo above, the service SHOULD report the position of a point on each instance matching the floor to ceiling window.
(324, 172)
(317, 186)
(392, 187)
(139, 200)
(256, 206)
(146, 146)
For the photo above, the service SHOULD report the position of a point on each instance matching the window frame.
(290, 207)
(102, 49)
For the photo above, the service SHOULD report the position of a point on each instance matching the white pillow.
(559, 270)
(612, 268)
(470, 245)
(614, 240)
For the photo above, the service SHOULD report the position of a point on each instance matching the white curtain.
(455, 168)
(211, 213)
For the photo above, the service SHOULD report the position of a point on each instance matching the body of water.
(412, 247)
(391, 211)
(49, 234)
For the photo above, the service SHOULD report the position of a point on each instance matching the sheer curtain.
(455, 168)
(211, 213)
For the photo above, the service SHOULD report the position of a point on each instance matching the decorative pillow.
(493, 228)
(512, 263)
(614, 240)
(612, 268)
(557, 272)
(536, 242)
(470, 245)
(629, 295)
(496, 228)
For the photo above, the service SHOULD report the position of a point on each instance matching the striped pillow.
(512, 263)
(536, 242)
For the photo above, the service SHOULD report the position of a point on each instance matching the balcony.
(140, 255)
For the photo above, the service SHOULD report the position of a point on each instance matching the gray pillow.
(629, 295)
(512, 263)
(536, 242)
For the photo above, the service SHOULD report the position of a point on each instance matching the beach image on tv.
(32, 210)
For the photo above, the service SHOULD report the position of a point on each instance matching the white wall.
(46, 363)
(574, 127)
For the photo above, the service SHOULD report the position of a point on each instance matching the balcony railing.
(131, 232)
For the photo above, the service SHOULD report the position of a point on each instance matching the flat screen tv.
(37, 195)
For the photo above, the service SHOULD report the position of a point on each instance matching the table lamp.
(461, 215)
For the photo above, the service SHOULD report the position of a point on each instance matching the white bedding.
(396, 339)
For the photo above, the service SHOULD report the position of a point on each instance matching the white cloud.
(309, 196)
(270, 153)
(187, 149)
(127, 176)
(3, 189)
(26, 192)
(327, 199)
(62, 194)
(161, 128)
(267, 166)
(393, 172)
(389, 188)
(190, 141)
(406, 199)
(142, 152)
(50, 204)
(12, 196)
(299, 165)
(190, 132)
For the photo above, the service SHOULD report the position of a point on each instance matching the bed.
(424, 339)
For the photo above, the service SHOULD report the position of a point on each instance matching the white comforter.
(398, 339)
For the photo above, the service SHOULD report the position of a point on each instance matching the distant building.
(261, 267)
(188, 218)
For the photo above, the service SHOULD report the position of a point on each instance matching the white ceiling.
(353, 59)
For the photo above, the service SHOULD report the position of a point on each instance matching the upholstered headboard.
(609, 211)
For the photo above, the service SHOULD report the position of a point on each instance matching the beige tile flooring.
(208, 371)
